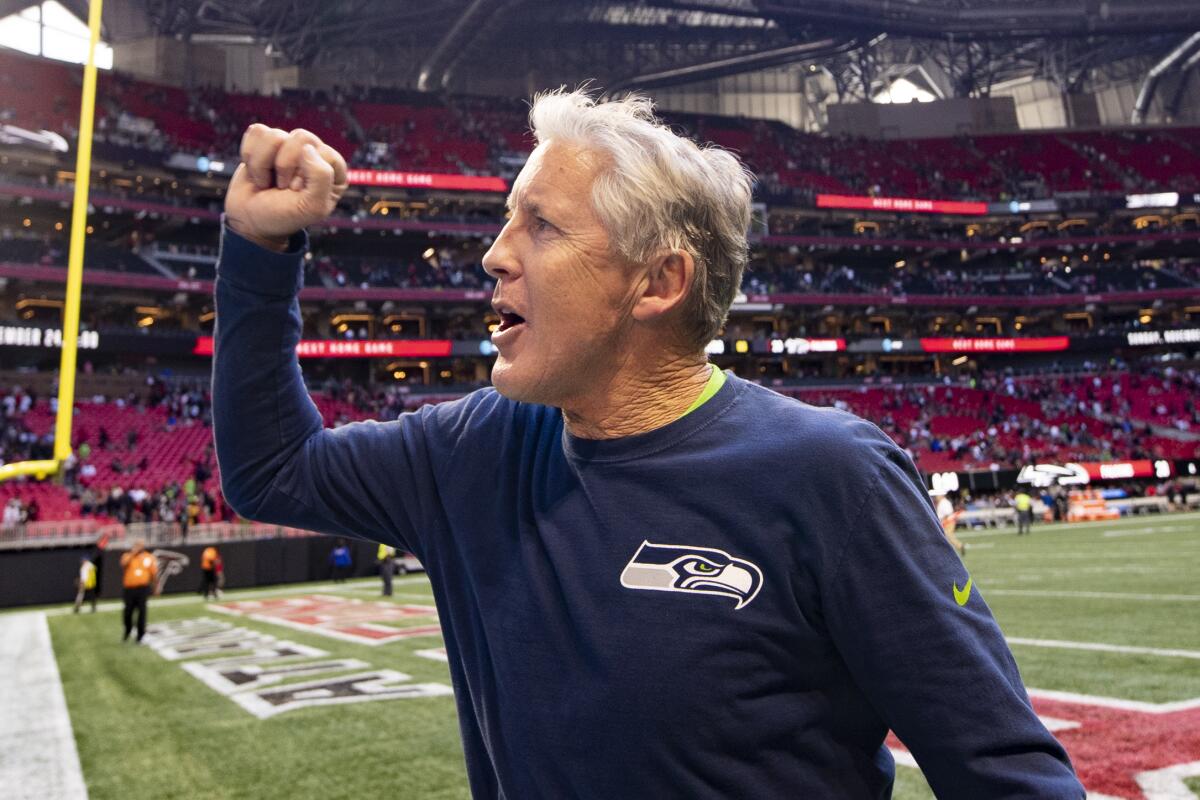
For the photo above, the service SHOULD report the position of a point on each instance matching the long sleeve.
(278, 463)
(924, 648)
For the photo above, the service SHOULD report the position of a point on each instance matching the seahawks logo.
(695, 570)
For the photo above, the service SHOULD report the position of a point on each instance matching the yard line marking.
(1106, 555)
(1104, 648)
(37, 745)
(904, 758)
(1148, 531)
(1118, 703)
(1170, 598)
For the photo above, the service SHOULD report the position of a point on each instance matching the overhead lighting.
(959, 361)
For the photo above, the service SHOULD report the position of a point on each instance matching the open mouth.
(510, 320)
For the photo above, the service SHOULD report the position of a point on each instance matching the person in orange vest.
(141, 578)
(210, 560)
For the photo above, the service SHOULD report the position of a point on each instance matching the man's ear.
(668, 279)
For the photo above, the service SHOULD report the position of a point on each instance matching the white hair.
(660, 192)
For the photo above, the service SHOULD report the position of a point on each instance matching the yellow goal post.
(70, 331)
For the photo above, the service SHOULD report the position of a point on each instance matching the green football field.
(1104, 610)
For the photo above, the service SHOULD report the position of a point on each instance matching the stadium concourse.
(987, 246)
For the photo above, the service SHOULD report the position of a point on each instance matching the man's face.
(563, 297)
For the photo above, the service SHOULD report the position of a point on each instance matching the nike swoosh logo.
(961, 595)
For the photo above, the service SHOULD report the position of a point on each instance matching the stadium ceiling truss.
(950, 48)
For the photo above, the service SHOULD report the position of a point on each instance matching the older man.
(654, 579)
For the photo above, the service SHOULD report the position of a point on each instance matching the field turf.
(145, 728)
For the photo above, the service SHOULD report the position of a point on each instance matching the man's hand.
(286, 182)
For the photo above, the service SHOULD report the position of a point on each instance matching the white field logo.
(256, 670)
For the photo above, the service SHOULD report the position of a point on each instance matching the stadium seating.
(473, 134)
(999, 423)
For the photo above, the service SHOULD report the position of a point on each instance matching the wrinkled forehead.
(558, 176)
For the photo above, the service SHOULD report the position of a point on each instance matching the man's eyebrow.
(528, 206)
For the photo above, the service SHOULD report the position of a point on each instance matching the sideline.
(175, 600)
(38, 758)
(1170, 518)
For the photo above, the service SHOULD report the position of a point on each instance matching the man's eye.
(540, 224)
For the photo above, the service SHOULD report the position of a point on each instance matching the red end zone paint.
(1112, 746)
(361, 621)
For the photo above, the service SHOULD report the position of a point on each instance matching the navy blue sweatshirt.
(738, 604)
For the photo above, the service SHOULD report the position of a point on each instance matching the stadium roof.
(950, 48)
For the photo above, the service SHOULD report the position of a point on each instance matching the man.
(139, 580)
(340, 561)
(654, 579)
(948, 516)
(85, 584)
(386, 556)
(210, 560)
(1024, 505)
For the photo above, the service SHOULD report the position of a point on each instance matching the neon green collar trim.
(715, 381)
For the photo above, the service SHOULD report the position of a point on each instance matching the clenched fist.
(286, 182)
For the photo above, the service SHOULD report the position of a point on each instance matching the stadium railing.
(76, 533)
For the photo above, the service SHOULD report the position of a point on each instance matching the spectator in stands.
(12, 515)
(139, 581)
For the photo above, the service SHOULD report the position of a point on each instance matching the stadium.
(975, 225)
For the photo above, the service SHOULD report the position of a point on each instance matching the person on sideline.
(209, 561)
(386, 556)
(340, 560)
(948, 516)
(1024, 505)
(636, 558)
(85, 583)
(139, 582)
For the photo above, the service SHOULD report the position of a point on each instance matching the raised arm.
(278, 463)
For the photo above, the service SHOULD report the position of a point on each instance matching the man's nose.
(500, 261)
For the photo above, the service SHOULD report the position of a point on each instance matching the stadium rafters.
(950, 48)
